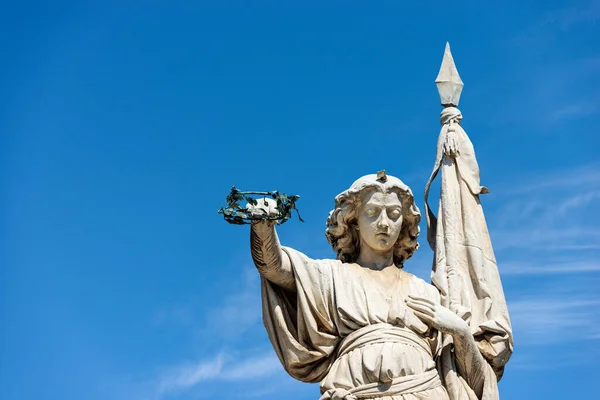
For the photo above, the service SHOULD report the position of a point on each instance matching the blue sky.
(123, 128)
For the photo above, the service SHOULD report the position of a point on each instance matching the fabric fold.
(464, 266)
(299, 326)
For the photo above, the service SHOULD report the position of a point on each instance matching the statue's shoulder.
(332, 263)
(422, 287)
(297, 257)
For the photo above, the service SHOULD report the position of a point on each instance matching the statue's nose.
(384, 221)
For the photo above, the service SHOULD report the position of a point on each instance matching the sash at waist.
(384, 333)
(381, 333)
(399, 386)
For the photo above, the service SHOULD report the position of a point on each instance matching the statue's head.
(378, 211)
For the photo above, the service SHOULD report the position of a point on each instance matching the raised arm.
(271, 261)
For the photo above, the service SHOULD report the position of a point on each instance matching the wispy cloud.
(584, 177)
(566, 267)
(224, 324)
(594, 336)
(544, 229)
(188, 375)
(222, 367)
(228, 317)
(261, 366)
(239, 311)
(548, 213)
(541, 236)
(578, 201)
(582, 109)
(541, 321)
(557, 360)
(564, 318)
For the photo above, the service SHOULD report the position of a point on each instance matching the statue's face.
(380, 220)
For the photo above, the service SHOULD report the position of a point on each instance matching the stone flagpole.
(464, 265)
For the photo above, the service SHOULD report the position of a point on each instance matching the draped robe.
(341, 329)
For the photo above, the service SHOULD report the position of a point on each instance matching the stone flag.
(464, 266)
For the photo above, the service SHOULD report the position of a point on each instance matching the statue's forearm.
(470, 362)
(270, 259)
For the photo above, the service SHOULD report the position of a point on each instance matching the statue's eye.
(370, 212)
(394, 214)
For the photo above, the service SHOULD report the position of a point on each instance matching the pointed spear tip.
(448, 80)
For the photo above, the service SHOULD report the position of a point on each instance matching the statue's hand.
(264, 207)
(437, 316)
(451, 143)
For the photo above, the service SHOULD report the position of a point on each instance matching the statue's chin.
(382, 245)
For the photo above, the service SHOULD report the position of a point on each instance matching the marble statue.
(364, 327)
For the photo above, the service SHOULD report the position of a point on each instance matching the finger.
(423, 299)
(424, 317)
(423, 304)
(416, 297)
(420, 308)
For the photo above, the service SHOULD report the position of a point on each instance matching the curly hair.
(342, 222)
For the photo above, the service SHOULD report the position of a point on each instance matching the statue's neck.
(368, 258)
